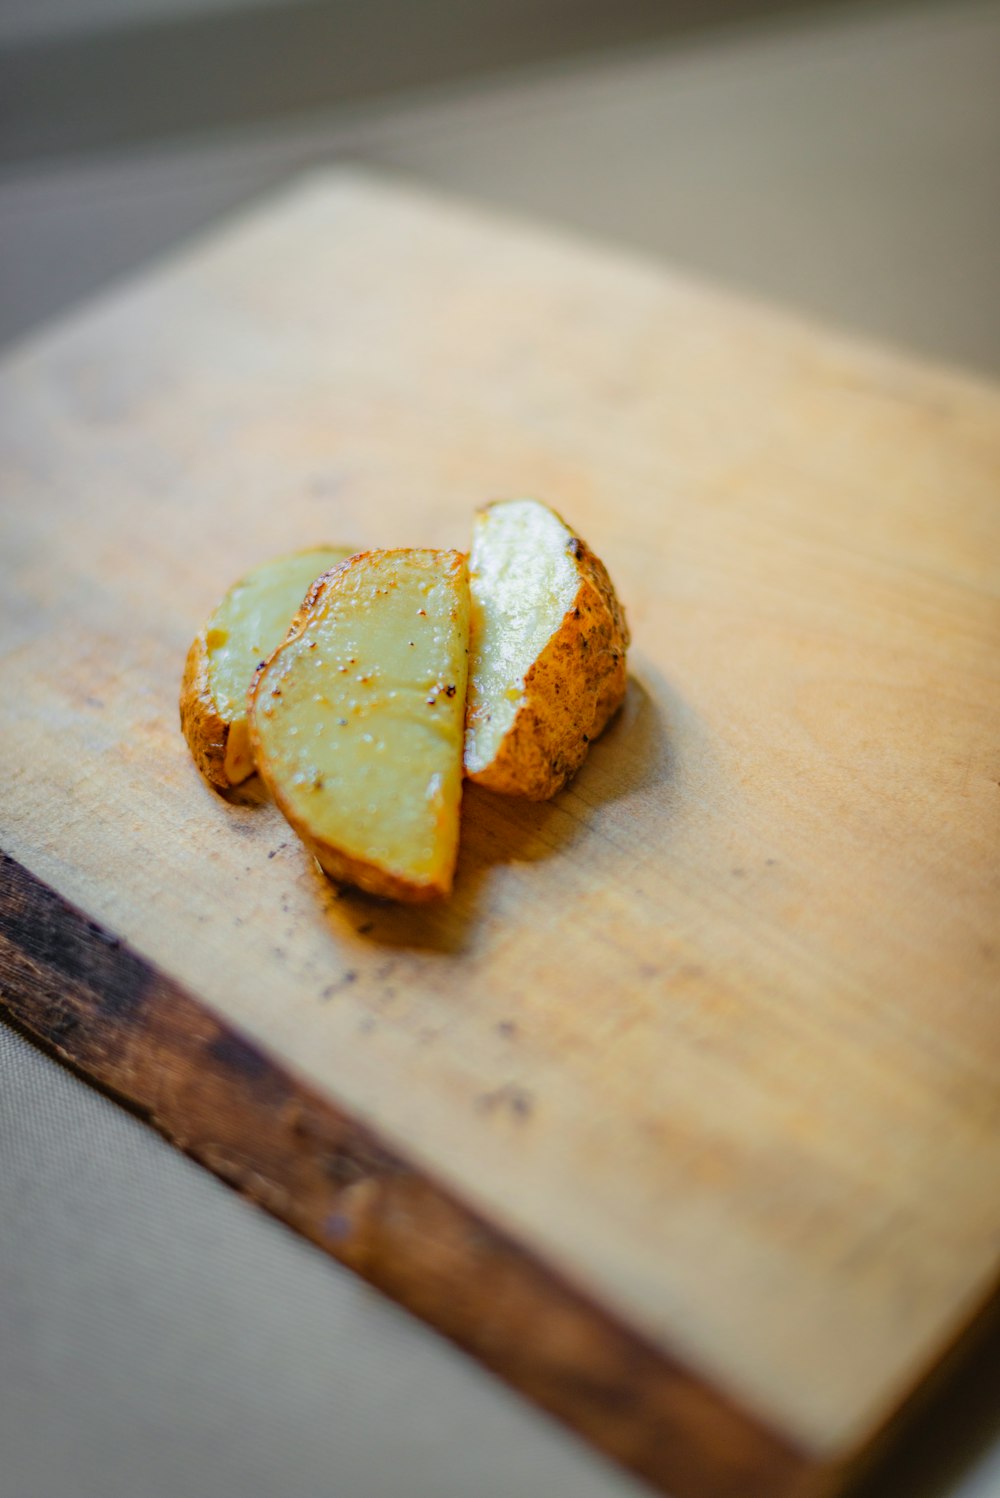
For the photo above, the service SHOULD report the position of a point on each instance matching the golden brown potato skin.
(207, 734)
(339, 865)
(346, 870)
(570, 692)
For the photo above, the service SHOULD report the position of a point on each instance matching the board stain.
(237, 1054)
(83, 952)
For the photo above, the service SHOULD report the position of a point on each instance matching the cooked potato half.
(547, 666)
(249, 622)
(357, 720)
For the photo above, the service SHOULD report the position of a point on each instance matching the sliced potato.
(549, 637)
(357, 720)
(246, 626)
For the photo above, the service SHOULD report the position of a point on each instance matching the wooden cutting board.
(684, 1113)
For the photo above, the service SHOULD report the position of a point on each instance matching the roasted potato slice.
(357, 720)
(245, 627)
(548, 643)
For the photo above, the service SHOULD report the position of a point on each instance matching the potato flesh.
(253, 619)
(248, 624)
(522, 581)
(361, 715)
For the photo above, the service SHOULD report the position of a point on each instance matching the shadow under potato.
(635, 756)
(631, 756)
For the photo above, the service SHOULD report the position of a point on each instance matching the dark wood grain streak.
(128, 1028)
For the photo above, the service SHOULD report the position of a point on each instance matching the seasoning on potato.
(250, 621)
(357, 720)
(549, 637)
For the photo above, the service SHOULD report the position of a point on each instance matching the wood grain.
(74, 986)
(713, 1036)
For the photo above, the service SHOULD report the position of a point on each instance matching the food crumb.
(512, 1098)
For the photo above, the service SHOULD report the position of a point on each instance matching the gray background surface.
(158, 1337)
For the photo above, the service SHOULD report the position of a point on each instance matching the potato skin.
(340, 866)
(344, 869)
(207, 734)
(570, 692)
